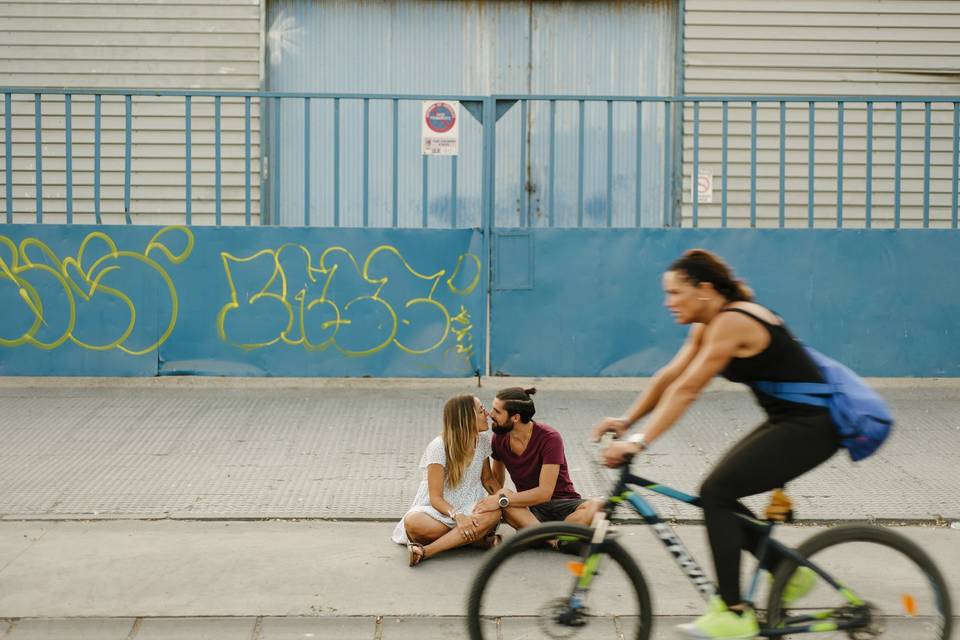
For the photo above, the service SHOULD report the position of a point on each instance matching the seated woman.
(458, 475)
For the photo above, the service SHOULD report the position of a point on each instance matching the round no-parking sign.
(441, 117)
(441, 127)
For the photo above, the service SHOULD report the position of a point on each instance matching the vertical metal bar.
(486, 213)
(868, 213)
(811, 149)
(188, 153)
(580, 158)
(8, 150)
(926, 164)
(724, 148)
(68, 152)
(246, 160)
(306, 161)
(524, 222)
(453, 192)
(396, 166)
(609, 163)
(218, 165)
(695, 178)
(38, 154)
(667, 164)
(553, 161)
(276, 175)
(783, 160)
(638, 203)
(366, 162)
(753, 163)
(127, 154)
(897, 167)
(336, 162)
(97, 100)
(956, 164)
(839, 164)
(424, 193)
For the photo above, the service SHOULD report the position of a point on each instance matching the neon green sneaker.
(723, 624)
(716, 604)
(802, 582)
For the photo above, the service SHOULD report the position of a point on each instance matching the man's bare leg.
(520, 517)
(585, 512)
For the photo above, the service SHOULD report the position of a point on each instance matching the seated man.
(533, 454)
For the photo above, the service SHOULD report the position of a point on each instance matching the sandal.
(417, 554)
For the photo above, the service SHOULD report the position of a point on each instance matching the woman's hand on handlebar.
(616, 426)
(619, 453)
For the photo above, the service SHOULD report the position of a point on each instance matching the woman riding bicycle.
(733, 336)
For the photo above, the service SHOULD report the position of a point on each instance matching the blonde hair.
(459, 435)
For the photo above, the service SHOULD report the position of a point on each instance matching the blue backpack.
(862, 418)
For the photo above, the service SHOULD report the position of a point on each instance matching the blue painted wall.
(588, 302)
(143, 301)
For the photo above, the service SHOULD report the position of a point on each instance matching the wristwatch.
(639, 440)
(503, 501)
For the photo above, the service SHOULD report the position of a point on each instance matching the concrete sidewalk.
(283, 579)
(349, 449)
(261, 509)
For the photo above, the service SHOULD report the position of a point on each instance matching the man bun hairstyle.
(700, 265)
(518, 401)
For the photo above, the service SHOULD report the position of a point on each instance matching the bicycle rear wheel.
(904, 596)
(524, 589)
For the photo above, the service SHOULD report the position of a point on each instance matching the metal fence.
(354, 160)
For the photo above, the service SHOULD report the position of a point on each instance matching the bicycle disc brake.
(874, 627)
(558, 620)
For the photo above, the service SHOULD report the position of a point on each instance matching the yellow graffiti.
(297, 313)
(462, 331)
(82, 279)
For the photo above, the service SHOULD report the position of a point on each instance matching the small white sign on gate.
(702, 188)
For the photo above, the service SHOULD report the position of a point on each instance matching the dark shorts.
(555, 510)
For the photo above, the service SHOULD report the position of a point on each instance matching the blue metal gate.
(554, 267)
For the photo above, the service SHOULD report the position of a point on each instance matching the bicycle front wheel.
(892, 588)
(526, 588)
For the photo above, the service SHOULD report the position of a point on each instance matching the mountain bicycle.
(870, 582)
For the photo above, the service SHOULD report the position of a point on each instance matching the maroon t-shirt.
(545, 447)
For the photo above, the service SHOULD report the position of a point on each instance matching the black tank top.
(784, 360)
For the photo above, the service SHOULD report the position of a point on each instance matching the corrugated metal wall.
(822, 47)
(469, 48)
(167, 44)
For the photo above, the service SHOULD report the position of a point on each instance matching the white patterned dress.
(462, 497)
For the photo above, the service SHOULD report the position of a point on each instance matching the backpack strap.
(812, 393)
(805, 388)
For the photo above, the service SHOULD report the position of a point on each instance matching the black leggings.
(774, 453)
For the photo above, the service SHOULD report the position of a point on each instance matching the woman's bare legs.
(437, 537)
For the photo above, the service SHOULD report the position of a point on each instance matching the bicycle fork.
(584, 570)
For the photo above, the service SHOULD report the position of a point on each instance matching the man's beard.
(502, 429)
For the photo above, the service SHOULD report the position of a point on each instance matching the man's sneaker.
(722, 624)
(802, 582)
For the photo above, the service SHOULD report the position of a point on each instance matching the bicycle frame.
(816, 621)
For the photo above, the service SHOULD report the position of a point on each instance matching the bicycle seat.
(780, 507)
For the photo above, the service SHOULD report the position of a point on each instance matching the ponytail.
(699, 265)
